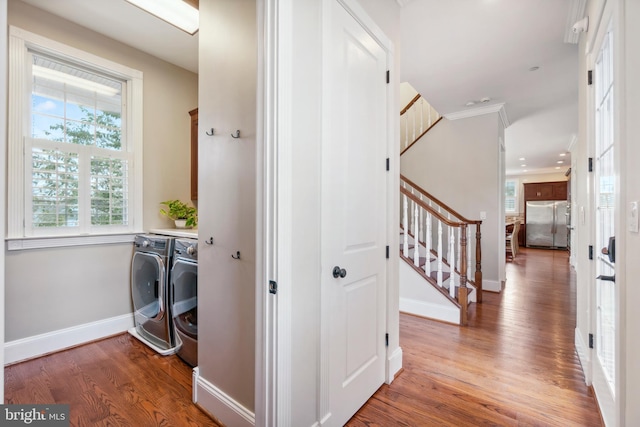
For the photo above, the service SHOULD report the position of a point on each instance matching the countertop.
(176, 232)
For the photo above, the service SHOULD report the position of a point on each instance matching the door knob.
(339, 272)
(607, 278)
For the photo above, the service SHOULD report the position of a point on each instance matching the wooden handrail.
(428, 208)
(465, 222)
(439, 202)
(410, 104)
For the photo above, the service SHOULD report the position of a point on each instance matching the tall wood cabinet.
(194, 154)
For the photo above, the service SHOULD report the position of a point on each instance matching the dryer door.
(184, 280)
(147, 285)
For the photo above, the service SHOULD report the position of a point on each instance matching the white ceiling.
(453, 51)
(456, 51)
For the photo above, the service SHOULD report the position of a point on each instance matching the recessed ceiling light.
(470, 103)
(523, 165)
(563, 154)
(178, 13)
(535, 68)
(560, 162)
(525, 170)
(557, 167)
(485, 99)
(521, 159)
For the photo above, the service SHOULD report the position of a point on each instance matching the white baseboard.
(432, 311)
(220, 405)
(39, 345)
(584, 355)
(394, 364)
(491, 285)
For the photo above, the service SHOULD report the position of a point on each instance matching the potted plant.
(185, 216)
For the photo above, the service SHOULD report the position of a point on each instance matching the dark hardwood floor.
(117, 381)
(514, 365)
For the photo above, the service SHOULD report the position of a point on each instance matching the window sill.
(24, 243)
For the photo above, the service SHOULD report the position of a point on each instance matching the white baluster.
(405, 225)
(416, 236)
(413, 112)
(459, 249)
(439, 274)
(406, 130)
(452, 263)
(421, 115)
(427, 245)
(420, 224)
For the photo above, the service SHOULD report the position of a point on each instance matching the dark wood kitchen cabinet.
(194, 154)
(545, 191)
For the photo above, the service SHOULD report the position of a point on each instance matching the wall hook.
(237, 134)
(212, 132)
(209, 241)
(236, 256)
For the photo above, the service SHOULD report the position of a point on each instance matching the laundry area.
(164, 291)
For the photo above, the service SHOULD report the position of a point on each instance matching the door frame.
(608, 14)
(274, 207)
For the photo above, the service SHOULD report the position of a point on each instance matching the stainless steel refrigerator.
(546, 224)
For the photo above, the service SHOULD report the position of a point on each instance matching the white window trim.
(19, 42)
(517, 196)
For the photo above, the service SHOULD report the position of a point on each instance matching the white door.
(354, 189)
(604, 369)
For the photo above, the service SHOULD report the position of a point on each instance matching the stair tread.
(445, 275)
(423, 260)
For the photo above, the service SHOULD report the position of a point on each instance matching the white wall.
(3, 203)
(458, 162)
(630, 187)
(227, 206)
(50, 289)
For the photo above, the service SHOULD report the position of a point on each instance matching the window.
(511, 196)
(75, 142)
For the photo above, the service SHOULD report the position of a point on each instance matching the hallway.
(514, 365)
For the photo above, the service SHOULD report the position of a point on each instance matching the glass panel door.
(605, 195)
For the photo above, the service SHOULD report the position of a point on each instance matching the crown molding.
(480, 111)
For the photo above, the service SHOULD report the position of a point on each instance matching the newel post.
(478, 277)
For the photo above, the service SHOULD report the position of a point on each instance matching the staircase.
(438, 245)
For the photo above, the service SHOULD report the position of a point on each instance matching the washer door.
(147, 289)
(184, 281)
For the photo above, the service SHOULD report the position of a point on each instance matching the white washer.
(184, 292)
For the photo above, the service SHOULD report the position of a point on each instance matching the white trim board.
(39, 345)
(430, 310)
(479, 111)
(222, 406)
